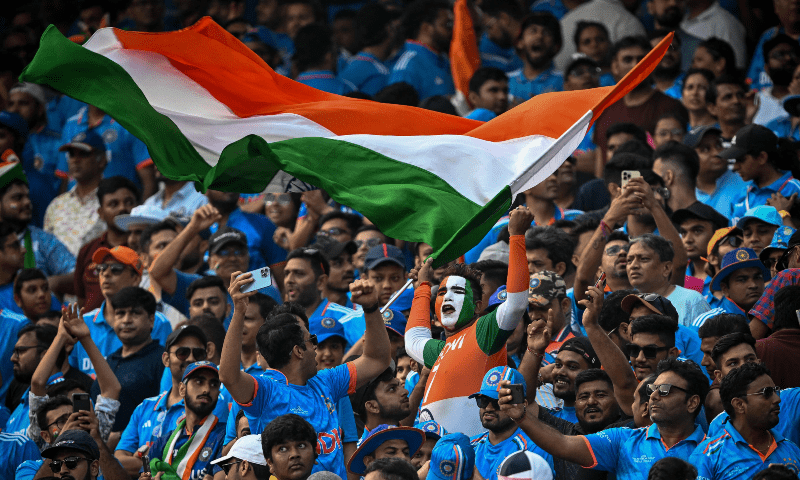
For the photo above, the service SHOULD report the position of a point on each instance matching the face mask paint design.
(457, 301)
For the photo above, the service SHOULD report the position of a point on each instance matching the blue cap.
(452, 458)
(498, 297)
(325, 328)
(15, 123)
(414, 437)
(765, 213)
(194, 367)
(86, 141)
(384, 253)
(736, 260)
(403, 302)
(481, 114)
(395, 321)
(432, 429)
(780, 241)
(492, 379)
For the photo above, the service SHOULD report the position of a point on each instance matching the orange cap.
(719, 235)
(123, 254)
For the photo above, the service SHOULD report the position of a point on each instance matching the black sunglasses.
(227, 467)
(183, 353)
(766, 391)
(650, 351)
(312, 339)
(116, 268)
(614, 251)
(732, 240)
(72, 463)
(664, 389)
(483, 401)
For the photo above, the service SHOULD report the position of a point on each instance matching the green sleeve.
(491, 337)
(431, 351)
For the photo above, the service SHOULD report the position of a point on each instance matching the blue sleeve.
(5, 413)
(141, 156)
(223, 407)
(411, 381)
(230, 427)
(687, 341)
(409, 75)
(702, 462)
(790, 415)
(161, 328)
(28, 451)
(347, 421)
(606, 447)
(129, 439)
(178, 298)
(57, 258)
(260, 401)
(28, 469)
(338, 380)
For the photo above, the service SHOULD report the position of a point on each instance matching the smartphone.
(145, 463)
(262, 279)
(601, 280)
(80, 401)
(627, 175)
(517, 393)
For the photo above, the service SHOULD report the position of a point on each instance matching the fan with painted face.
(455, 303)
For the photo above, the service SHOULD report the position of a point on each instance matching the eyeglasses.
(614, 251)
(585, 70)
(649, 297)
(282, 199)
(662, 191)
(183, 353)
(650, 351)
(59, 422)
(664, 389)
(72, 463)
(766, 391)
(372, 242)
(116, 268)
(227, 467)
(19, 351)
(332, 232)
(483, 401)
(236, 252)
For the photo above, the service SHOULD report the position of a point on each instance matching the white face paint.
(453, 301)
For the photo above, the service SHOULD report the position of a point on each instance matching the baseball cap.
(700, 211)
(122, 254)
(414, 437)
(544, 287)
(498, 251)
(693, 138)
(736, 260)
(141, 215)
(197, 366)
(720, 234)
(432, 429)
(224, 236)
(751, 139)
(582, 347)
(524, 464)
(246, 448)
(654, 302)
(498, 297)
(491, 381)
(384, 253)
(403, 302)
(184, 330)
(332, 248)
(481, 115)
(395, 321)
(765, 213)
(453, 458)
(325, 328)
(86, 141)
(780, 241)
(74, 440)
(783, 262)
(15, 123)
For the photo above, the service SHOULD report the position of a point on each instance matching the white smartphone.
(627, 175)
(262, 277)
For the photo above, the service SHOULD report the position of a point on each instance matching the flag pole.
(396, 295)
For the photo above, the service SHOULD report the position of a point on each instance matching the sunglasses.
(331, 232)
(282, 199)
(766, 391)
(72, 463)
(372, 242)
(650, 351)
(313, 340)
(733, 241)
(183, 353)
(116, 268)
(614, 251)
(227, 467)
(483, 401)
(664, 389)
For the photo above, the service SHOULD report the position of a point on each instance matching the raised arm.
(666, 229)
(377, 349)
(611, 357)
(570, 448)
(162, 268)
(73, 322)
(510, 312)
(239, 384)
(418, 327)
(539, 338)
(48, 363)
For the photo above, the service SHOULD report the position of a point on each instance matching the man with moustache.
(538, 43)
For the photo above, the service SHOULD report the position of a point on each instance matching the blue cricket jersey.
(14, 450)
(488, 457)
(786, 185)
(366, 73)
(425, 70)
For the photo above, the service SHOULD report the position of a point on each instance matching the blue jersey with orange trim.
(488, 457)
(10, 325)
(316, 402)
(729, 456)
(630, 452)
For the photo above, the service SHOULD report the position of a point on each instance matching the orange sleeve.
(518, 277)
(420, 315)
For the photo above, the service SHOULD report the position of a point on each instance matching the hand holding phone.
(262, 278)
(517, 393)
(80, 401)
(627, 175)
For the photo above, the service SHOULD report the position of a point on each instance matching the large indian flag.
(211, 111)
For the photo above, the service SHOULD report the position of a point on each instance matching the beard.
(669, 72)
(187, 262)
(202, 410)
(224, 206)
(782, 76)
(395, 414)
(566, 395)
(498, 426)
(670, 19)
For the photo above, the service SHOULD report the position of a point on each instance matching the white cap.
(524, 465)
(246, 448)
(141, 215)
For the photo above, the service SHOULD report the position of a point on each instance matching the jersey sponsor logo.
(643, 459)
(299, 411)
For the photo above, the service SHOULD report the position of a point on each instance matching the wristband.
(605, 229)
(537, 354)
(522, 417)
(371, 309)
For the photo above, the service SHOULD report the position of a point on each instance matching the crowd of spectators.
(635, 315)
